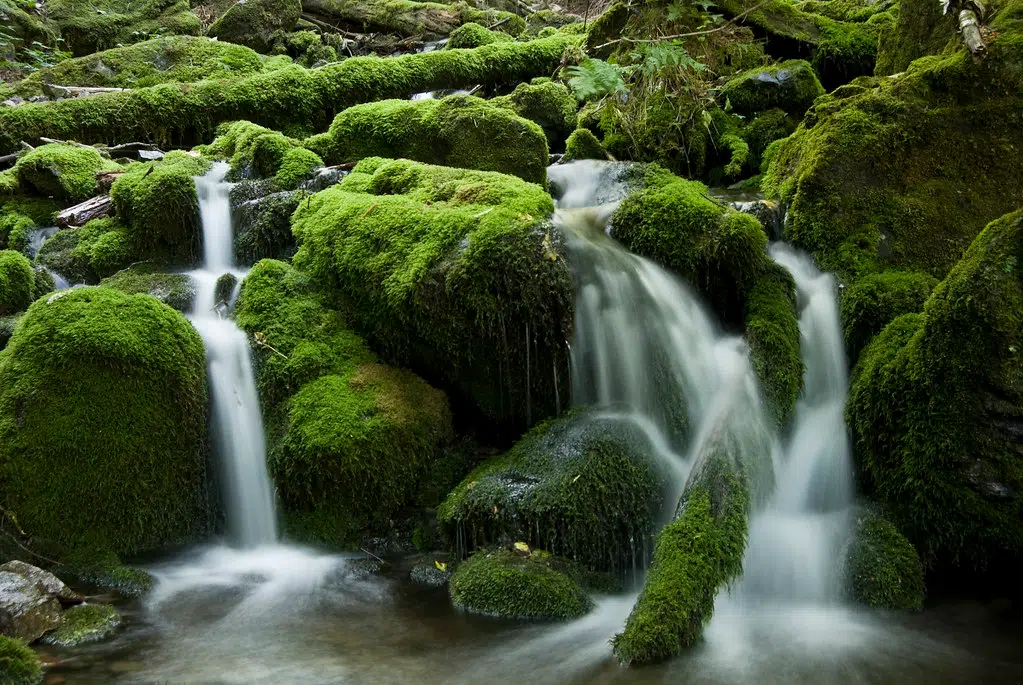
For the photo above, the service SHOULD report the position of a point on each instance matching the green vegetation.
(882, 566)
(103, 24)
(546, 103)
(16, 282)
(296, 166)
(85, 255)
(83, 624)
(256, 23)
(430, 20)
(445, 271)
(472, 35)
(772, 331)
(582, 144)
(174, 290)
(510, 585)
(103, 423)
(252, 149)
(19, 216)
(66, 172)
(583, 486)
(791, 86)
(458, 131)
(19, 665)
(876, 300)
(921, 29)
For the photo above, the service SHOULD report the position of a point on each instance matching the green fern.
(595, 78)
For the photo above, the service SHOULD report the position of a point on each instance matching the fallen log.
(53, 90)
(405, 17)
(83, 213)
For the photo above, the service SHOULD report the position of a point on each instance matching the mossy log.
(284, 99)
(408, 18)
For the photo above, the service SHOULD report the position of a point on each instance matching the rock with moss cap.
(253, 151)
(20, 215)
(791, 86)
(442, 268)
(582, 144)
(936, 408)
(106, 24)
(174, 290)
(91, 252)
(254, 23)
(584, 487)
(922, 29)
(511, 585)
(103, 422)
(297, 165)
(882, 567)
(458, 131)
(84, 624)
(19, 664)
(348, 438)
(16, 282)
(262, 222)
(472, 35)
(546, 103)
(430, 20)
(66, 172)
(876, 300)
(772, 331)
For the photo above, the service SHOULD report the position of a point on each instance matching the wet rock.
(224, 289)
(791, 86)
(429, 574)
(84, 624)
(13, 101)
(50, 583)
(767, 212)
(27, 611)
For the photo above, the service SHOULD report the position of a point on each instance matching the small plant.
(594, 78)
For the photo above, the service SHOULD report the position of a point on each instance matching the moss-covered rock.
(512, 585)
(791, 86)
(66, 172)
(282, 98)
(158, 204)
(25, 28)
(921, 29)
(87, 254)
(546, 103)
(103, 422)
(262, 224)
(772, 331)
(443, 269)
(19, 665)
(253, 151)
(254, 23)
(175, 290)
(458, 131)
(16, 282)
(431, 20)
(936, 406)
(876, 300)
(582, 144)
(472, 35)
(584, 487)
(168, 59)
(19, 215)
(296, 166)
(348, 438)
(882, 567)
(106, 24)
(766, 127)
(83, 624)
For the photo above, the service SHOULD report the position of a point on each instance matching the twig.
(731, 21)
(35, 554)
(372, 555)
(500, 23)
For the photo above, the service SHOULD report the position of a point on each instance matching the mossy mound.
(936, 406)
(876, 300)
(17, 282)
(584, 487)
(922, 29)
(297, 165)
(157, 201)
(348, 438)
(19, 665)
(87, 254)
(510, 585)
(168, 59)
(582, 144)
(19, 215)
(174, 290)
(103, 422)
(903, 172)
(254, 23)
(458, 131)
(429, 20)
(472, 35)
(883, 568)
(253, 151)
(262, 224)
(719, 251)
(791, 86)
(25, 29)
(546, 103)
(106, 24)
(83, 624)
(66, 172)
(445, 272)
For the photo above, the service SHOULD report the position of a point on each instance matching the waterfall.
(237, 423)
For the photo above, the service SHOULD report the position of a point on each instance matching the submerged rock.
(429, 574)
(27, 610)
(83, 624)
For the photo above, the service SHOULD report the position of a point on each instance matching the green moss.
(103, 24)
(445, 270)
(252, 149)
(722, 253)
(934, 407)
(772, 331)
(876, 300)
(791, 86)
(582, 144)
(759, 134)
(254, 23)
(66, 172)
(921, 29)
(84, 255)
(546, 103)
(472, 35)
(16, 282)
(169, 59)
(459, 131)
(174, 290)
(102, 568)
(112, 386)
(544, 19)
(883, 568)
(188, 114)
(408, 18)
(348, 438)
(506, 584)
(43, 283)
(19, 665)
(83, 624)
(296, 166)
(157, 201)
(583, 486)
(19, 216)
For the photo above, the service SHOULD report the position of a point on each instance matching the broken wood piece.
(105, 179)
(969, 27)
(53, 90)
(84, 212)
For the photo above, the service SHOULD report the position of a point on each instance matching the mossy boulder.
(472, 35)
(19, 665)
(21, 214)
(174, 290)
(296, 166)
(66, 172)
(262, 222)
(584, 487)
(445, 271)
(512, 585)
(882, 567)
(16, 282)
(582, 144)
(458, 131)
(84, 624)
(430, 20)
(791, 86)
(168, 59)
(876, 300)
(91, 252)
(254, 23)
(252, 150)
(103, 423)
(546, 103)
(922, 29)
(106, 24)
(936, 408)
(158, 204)
(348, 438)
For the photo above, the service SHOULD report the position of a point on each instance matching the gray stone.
(26, 610)
(51, 584)
(426, 574)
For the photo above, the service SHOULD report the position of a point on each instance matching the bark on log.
(83, 213)
(53, 90)
(105, 179)
(969, 27)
